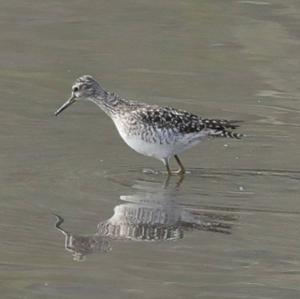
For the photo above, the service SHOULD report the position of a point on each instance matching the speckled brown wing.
(185, 122)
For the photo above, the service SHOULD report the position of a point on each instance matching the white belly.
(159, 150)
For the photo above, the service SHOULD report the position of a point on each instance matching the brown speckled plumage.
(161, 132)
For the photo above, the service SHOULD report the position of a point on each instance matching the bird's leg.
(166, 163)
(181, 169)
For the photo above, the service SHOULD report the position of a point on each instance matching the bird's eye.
(75, 89)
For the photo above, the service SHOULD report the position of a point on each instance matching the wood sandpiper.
(151, 130)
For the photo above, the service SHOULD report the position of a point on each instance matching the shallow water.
(229, 229)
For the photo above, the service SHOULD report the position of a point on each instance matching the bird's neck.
(108, 102)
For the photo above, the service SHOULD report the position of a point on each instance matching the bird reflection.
(80, 246)
(149, 214)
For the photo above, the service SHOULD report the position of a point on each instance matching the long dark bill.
(68, 103)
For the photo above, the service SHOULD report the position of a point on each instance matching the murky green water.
(230, 229)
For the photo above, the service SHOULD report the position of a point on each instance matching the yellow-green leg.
(180, 171)
(166, 163)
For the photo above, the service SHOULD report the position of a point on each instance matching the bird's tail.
(222, 128)
(227, 134)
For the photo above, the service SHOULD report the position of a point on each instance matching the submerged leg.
(178, 183)
(181, 169)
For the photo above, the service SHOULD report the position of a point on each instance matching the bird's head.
(84, 88)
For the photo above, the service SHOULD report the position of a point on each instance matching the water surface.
(229, 229)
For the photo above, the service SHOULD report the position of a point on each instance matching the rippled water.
(83, 216)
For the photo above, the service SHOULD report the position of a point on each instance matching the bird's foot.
(179, 172)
